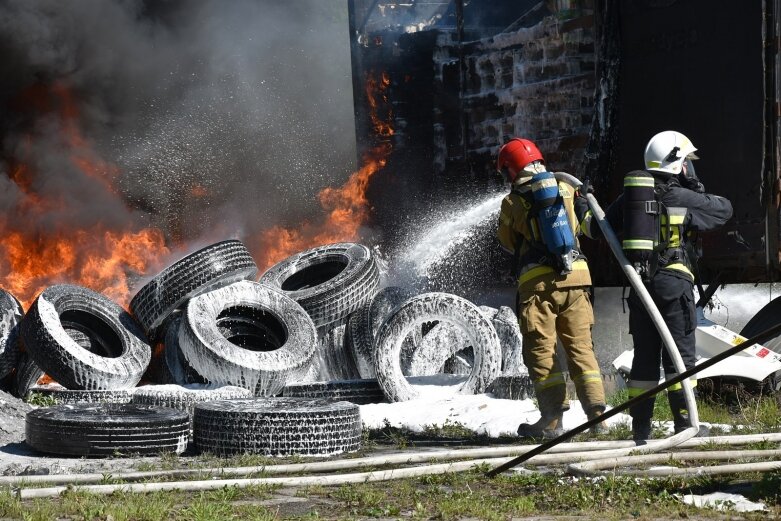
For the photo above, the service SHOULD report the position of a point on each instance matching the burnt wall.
(535, 82)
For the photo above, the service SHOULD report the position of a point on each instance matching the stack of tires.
(315, 328)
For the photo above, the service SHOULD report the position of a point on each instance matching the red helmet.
(516, 154)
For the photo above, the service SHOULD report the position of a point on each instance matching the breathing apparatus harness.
(654, 234)
(552, 241)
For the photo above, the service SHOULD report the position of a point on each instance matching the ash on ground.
(12, 412)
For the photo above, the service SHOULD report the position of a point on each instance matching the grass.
(40, 399)
(445, 497)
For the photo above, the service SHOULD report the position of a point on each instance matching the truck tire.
(179, 371)
(106, 429)
(277, 427)
(250, 335)
(445, 308)
(107, 351)
(364, 324)
(360, 392)
(333, 357)
(209, 268)
(184, 397)
(512, 387)
(329, 282)
(11, 314)
(27, 376)
(61, 395)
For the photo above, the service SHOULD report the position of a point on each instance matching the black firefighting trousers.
(674, 296)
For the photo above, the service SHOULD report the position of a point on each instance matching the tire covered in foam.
(83, 340)
(209, 268)
(329, 282)
(250, 335)
(277, 427)
(107, 429)
(11, 314)
(444, 308)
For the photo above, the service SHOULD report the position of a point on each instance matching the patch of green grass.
(449, 429)
(40, 399)
(203, 507)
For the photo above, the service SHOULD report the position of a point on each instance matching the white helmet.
(667, 151)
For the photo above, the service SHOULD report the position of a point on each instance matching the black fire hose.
(756, 339)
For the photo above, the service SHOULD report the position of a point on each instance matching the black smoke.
(221, 118)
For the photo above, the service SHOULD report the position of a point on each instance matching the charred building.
(590, 81)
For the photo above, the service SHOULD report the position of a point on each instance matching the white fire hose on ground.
(214, 478)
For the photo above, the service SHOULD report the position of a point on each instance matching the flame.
(377, 96)
(36, 249)
(346, 207)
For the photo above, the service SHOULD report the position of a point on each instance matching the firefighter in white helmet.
(682, 209)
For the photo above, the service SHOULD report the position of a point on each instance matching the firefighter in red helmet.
(553, 299)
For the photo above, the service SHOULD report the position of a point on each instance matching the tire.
(333, 358)
(27, 376)
(277, 427)
(107, 429)
(108, 349)
(11, 314)
(436, 349)
(365, 323)
(329, 282)
(60, 395)
(184, 398)
(510, 338)
(209, 268)
(445, 308)
(512, 387)
(278, 337)
(767, 317)
(180, 372)
(360, 392)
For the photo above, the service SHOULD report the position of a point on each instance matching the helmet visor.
(689, 165)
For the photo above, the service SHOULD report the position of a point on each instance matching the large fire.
(36, 248)
(347, 208)
(40, 246)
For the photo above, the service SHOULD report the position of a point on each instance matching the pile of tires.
(315, 329)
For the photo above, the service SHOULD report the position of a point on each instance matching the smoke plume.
(202, 118)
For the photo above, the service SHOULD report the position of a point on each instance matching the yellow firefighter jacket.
(517, 233)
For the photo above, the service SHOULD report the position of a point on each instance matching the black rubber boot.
(641, 419)
(641, 429)
(680, 412)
